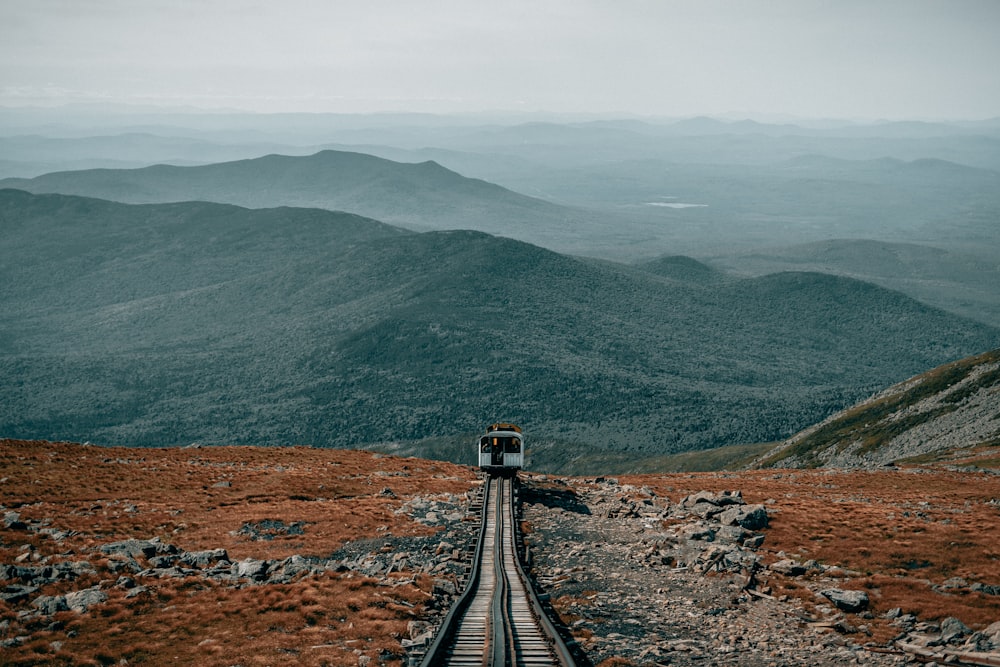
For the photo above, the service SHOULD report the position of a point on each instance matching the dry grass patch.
(199, 499)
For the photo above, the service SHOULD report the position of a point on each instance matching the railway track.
(498, 621)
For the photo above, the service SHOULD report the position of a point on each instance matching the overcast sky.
(897, 59)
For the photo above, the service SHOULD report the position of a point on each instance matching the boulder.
(850, 601)
(444, 587)
(788, 567)
(255, 570)
(81, 601)
(135, 548)
(751, 517)
(204, 558)
(17, 593)
(952, 628)
(50, 604)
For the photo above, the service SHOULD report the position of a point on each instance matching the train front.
(501, 450)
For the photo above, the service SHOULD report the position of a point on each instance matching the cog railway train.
(501, 450)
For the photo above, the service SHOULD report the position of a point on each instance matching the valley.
(382, 281)
(168, 324)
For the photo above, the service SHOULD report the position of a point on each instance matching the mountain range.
(960, 282)
(163, 324)
(419, 196)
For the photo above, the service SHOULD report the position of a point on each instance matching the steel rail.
(445, 635)
(498, 621)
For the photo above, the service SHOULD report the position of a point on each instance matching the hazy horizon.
(923, 59)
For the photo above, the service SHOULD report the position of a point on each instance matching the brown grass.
(903, 532)
(111, 494)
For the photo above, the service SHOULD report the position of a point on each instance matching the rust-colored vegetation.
(915, 538)
(199, 499)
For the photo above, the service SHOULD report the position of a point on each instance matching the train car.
(501, 450)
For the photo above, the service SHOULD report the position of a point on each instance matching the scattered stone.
(81, 601)
(639, 589)
(50, 604)
(136, 548)
(751, 517)
(17, 593)
(255, 570)
(788, 567)
(135, 592)
(268, 529)
(203, 558)
(952, 628)
(850, 601)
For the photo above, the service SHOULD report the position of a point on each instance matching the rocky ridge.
(951, 408)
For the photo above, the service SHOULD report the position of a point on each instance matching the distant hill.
(172, 323)
(962, 283)
(421, 196)
(27, 156)
(948, 413)
(682, 268)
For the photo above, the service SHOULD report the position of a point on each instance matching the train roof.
(503, 426)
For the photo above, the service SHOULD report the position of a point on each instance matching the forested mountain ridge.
(171, 323)
(960, 282)
(420, 196)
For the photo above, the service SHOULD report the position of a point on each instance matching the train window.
(484, 445)
(512, 446)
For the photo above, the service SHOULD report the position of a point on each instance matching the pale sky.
(866, 59)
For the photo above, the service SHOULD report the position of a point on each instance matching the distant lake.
(673, 204)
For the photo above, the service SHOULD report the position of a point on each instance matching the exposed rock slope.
(943, 413)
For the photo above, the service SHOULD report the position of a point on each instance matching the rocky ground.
(254, 556)
(640, 579)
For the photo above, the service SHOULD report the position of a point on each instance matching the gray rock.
(732, 534)
(952, 628)
(50, 604)
(751, 517)
(986, 589)
(993, 632)
(17, 593)
(135, 592)
(204, 558)
(255, 570)
(136, 548)
(81, 601)
(849, 601)
(12, 521)
(160, 562)
(788, 567)
(696, 531)
(295, 565)
(444, 587)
